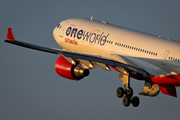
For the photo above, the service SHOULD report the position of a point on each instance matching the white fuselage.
(156, 55)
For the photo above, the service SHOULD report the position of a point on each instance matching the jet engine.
(70, 71)
(150, 89)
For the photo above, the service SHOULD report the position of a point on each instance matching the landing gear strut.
(127, 100)
(127, 92)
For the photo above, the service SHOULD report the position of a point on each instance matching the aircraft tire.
(120, 92)
(126, 101)
(135, 101)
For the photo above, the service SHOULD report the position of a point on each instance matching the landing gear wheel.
(129, 92)
(135, 101)
(126, 101)
(120, 92)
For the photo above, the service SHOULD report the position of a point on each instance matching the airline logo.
(74, 42)
(87, 36)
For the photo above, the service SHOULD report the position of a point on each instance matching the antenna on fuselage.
(92, 18)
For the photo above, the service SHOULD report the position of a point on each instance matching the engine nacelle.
(70, 71)
(150, 89)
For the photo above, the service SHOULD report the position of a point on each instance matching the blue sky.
(31, 89)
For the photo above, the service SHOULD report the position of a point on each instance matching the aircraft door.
(165, 57)
(93, 38)
(63, 29)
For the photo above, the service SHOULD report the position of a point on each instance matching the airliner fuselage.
(159, 55)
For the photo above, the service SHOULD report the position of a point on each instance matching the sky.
(30, 89)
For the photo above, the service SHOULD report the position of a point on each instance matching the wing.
(89, 60)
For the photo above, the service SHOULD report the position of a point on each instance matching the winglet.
(10, 35)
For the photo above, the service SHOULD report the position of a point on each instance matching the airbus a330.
(88, 44)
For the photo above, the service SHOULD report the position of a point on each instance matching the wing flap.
(108, 60)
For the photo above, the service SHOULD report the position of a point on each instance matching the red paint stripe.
(169, 90)
(114, 68)
(166, 80)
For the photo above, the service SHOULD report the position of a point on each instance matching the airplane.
(89, 43)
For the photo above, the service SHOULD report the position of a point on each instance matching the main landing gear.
(128, 92)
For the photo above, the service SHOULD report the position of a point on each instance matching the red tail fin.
(10, 35)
